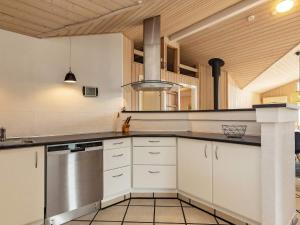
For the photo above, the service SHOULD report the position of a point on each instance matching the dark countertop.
(192, 111)
(276, 105)
(52, 140)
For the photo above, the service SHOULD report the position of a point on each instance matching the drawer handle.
(216, 153)
(115, 156)
(154, 153)
(205, 150)
(153, 172)
(154, 141)
(36, 160)
(119, 175)
(118, 143)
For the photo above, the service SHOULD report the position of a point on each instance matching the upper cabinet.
(22, 186)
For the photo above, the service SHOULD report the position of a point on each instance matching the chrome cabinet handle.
(216, 153)
(154, 153)
(153, 172)
(119, 175)
(205, 151)
(115, 156)
(154, 141)
(36, 159)
(118, 143)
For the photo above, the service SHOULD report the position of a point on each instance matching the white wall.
(240, 98)
(34, 100)
(208, 122)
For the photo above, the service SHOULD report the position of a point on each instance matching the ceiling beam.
(90, 21)
(216, 18)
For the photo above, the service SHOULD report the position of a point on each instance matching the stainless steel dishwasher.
(74, 181)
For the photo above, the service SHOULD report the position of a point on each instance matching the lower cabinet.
(226, 175)
(117, 181)
(195, 168)
(154, 163)
(22, 186)
(237, 179)
(116, 168)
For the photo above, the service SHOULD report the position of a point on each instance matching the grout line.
(95, 216)
(216, 217)
(163, 223)
(154, 212)
(207, 212)
(183, 212)
(125, 212)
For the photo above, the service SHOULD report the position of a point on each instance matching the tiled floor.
(147, 212)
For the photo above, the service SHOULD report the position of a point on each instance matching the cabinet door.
(236, 179)
(22, 186)
(195, 168)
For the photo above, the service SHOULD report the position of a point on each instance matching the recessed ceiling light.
(284, 6)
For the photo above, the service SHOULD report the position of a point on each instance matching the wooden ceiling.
(248, 49)
(44, 18)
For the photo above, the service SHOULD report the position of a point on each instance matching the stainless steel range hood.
(152, 77)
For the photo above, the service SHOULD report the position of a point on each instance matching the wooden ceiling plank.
(110, 5)
(74, 8)
(94, 20)
(17, 28)
(88, 5)
(32, 11)
(22, 23)
(27, 17)
(54, 9)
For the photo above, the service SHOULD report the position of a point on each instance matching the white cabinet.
(154, 177)
(117, 168)
(117, 181)
(154, 141)
(195, 168)
(237, 179)
(154, 155)
(154, 163)
(22, 186)
(116, 158)
(226, 175)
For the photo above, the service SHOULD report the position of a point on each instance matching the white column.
(277, 164)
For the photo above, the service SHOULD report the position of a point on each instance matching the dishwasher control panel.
(75, 147)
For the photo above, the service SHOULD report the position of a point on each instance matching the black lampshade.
(70, 77)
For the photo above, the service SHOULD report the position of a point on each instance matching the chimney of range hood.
(216, 65)
(152, 60)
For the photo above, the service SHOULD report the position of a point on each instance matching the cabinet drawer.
(117, 181)
(117, 143)
(145, 176)
(154, 155)
(154, 141)
(116, 158)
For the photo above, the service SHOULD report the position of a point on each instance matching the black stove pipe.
(216, 65)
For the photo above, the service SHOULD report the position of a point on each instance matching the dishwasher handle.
(77, 150)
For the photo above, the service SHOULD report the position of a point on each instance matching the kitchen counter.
(60, 139)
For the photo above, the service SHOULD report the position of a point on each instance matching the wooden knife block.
(125, 128)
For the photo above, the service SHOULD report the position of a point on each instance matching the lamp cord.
(70, 53)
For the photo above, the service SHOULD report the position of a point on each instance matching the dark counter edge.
(254, 107)
(193, 111)
(188, 135)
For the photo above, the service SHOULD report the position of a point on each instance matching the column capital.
(276, 113)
